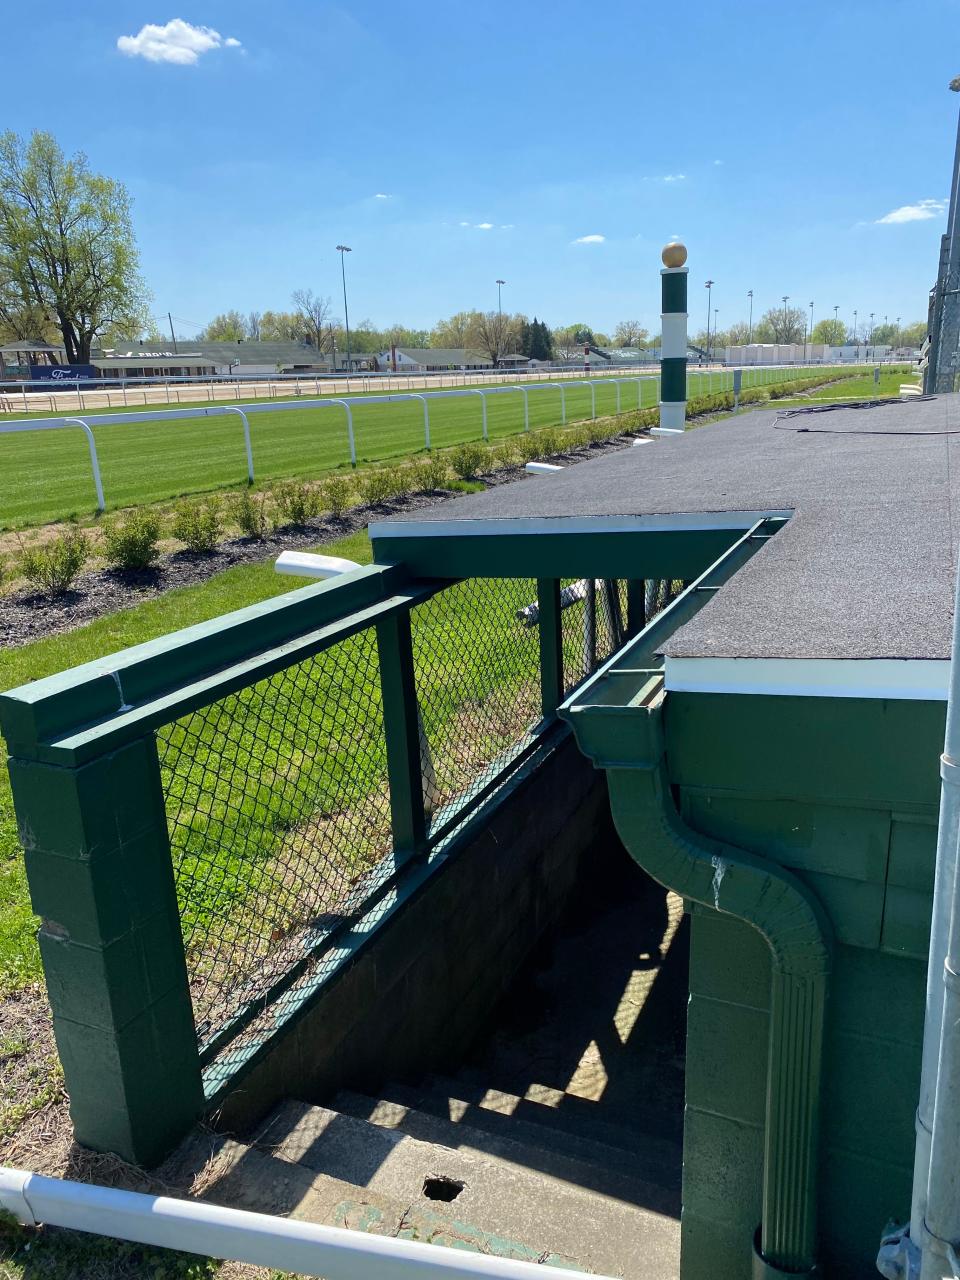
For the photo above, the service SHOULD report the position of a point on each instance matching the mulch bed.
(26, 615)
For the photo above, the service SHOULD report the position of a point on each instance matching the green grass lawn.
(48, 477)
(47, 474)
(861, 388)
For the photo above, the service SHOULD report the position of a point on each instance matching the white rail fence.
(347, 403)
(282, 1244)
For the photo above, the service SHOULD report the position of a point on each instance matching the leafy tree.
(629, 333)
(830, 332)
(912, 335)
(229, 326)
(884, 335)
(67, 249)
(460, 330)
(281, 326)
(781, 325)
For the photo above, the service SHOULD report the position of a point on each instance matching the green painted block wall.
(847, 797)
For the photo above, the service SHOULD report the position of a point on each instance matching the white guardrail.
(88, 421)
(282, 1244)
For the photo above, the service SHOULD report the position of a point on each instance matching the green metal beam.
(585, 553)
(403, 734)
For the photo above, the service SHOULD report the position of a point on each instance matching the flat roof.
(863, 568)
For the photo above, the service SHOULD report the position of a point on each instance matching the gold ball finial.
(674, 254)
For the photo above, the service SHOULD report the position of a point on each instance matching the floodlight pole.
(500, 284)
(708, 286)
(750, 329)
(811, 336)
(342, 249)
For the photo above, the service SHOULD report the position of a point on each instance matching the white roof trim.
(675, 522)
(909, 679)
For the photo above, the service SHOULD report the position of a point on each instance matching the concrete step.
(650, 1163)
(493, 1196)
(635, 1132)
(221, 1171)
(506, 1142)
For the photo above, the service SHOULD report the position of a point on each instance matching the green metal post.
(101, 879)
(551, 644)
(636, 606)
(403, 735)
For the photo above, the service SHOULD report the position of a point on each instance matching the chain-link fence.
(277, 807)
(278, 800)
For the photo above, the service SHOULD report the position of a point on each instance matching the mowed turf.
(47, 474)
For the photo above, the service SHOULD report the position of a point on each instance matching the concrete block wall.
(845, 793)
(421, 989)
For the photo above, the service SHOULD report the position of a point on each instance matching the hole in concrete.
(440, 1187)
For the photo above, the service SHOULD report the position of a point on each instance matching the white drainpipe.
(304, 1248)
(935, 1210)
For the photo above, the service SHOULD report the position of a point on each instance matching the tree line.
(785, 325)
(493, 333)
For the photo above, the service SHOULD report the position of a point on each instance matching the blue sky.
(451, 144)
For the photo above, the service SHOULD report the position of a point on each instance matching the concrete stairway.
(558, 1142)
(380, 1166)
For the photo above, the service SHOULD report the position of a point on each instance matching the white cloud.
(589, 239)
(918, 212)
(382, 195)
(178, 42)
(673, 177)
(506, 226)
(484, 226)
(464, 224)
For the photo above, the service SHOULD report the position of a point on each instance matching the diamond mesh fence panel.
(278, 809)
(478, 681)
(278, 803)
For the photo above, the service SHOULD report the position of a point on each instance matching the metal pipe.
(935, 1218)
(305, 1248)
(94, 461)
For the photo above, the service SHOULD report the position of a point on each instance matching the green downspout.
(787, 914)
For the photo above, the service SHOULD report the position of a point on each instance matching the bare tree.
(254, 320)
(314, 314)
(491, 331)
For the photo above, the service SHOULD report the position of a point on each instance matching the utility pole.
(172, 336)
(750, 329)
(786, 299)
(943, 361)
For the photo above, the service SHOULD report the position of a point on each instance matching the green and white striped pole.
(673, 346)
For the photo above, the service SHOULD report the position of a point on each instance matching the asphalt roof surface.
(864, 568)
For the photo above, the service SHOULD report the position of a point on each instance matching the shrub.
(469, 460)
(380, 484)
(54, 565)
(295, 503)
(503, 455)
(428, 474)
(249, 511)
(132, 541)
(198, 524)
(336, 493)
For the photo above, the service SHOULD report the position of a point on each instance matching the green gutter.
(618, 721)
